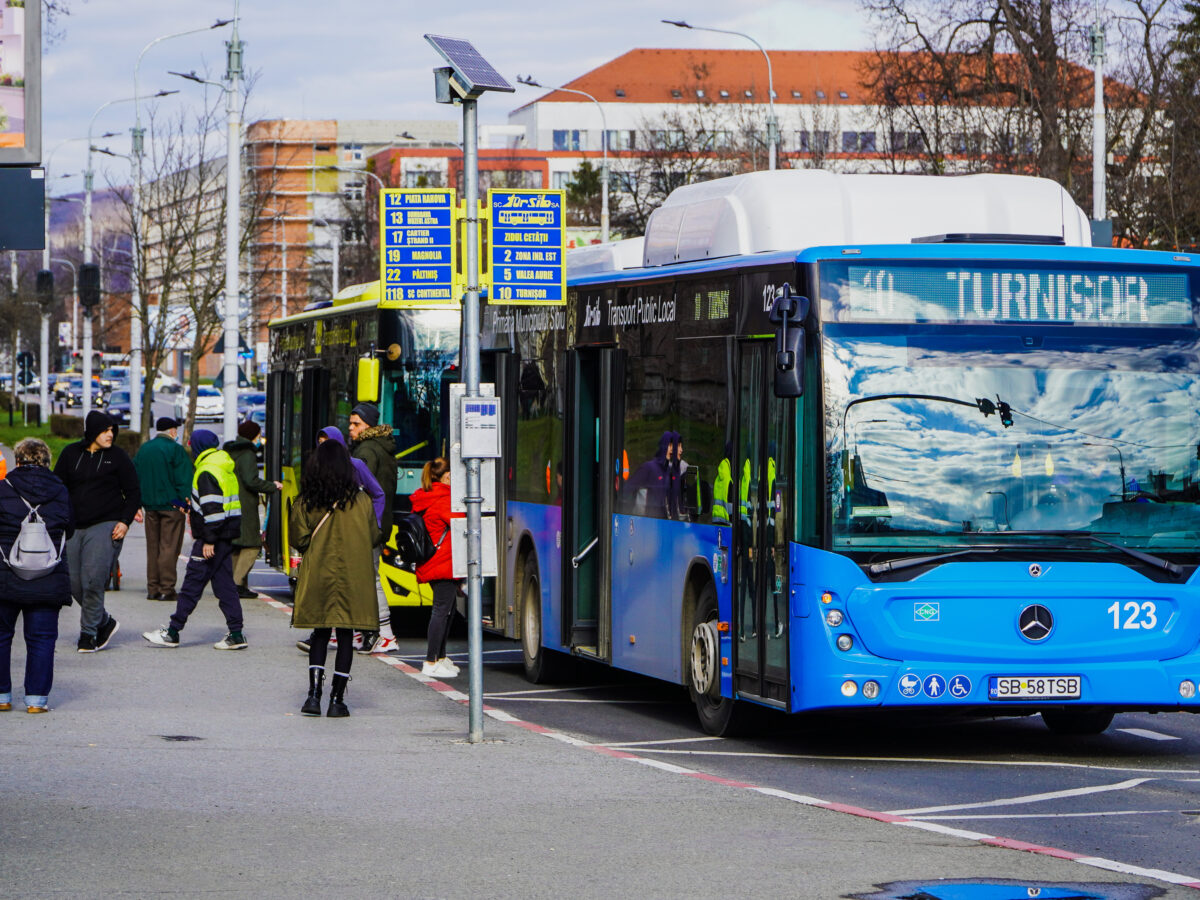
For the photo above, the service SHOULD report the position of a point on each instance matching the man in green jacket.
(373, 444)
(245, 465)
(164, 472)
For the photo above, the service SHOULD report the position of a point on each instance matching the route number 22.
(1137, 615)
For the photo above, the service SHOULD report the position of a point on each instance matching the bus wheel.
(1077, 721)
(539, 662)
(718, 715)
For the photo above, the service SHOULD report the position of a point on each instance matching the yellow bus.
(351, 349)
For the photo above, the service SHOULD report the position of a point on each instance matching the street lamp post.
(532, 82)
(137, 385)
(772, 123)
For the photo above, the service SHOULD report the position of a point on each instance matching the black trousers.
(200, 571)
(444, 593)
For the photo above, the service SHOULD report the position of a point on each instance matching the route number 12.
(1137, 615)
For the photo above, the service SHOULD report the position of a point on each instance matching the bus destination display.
(417, 247)
(997, 293)
(527, 247)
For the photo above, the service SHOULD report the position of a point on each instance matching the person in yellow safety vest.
(722, 486)
(216, 520)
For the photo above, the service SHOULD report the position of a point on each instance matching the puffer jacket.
(45, 490)
(434, 507)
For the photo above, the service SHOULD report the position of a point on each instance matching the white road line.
(1147, 733)
(572, 700)
(1027, 798)
(1078, 815)
(558, 690)
(691, 740)
(1010, 763)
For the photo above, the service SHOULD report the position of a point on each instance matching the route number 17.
(1137, 615)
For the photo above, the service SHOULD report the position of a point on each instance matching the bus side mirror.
(367, 389)
(788, 312)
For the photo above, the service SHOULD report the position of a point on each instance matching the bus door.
(760, 546)
(280, 387)
(502, 369)
(594, 378)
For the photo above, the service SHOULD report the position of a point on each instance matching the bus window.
(411, 402)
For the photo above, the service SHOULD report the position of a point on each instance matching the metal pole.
(16, 347)
(233, 190)
(88, 178)
(470, 364)
(1099, 155)
(44, 343)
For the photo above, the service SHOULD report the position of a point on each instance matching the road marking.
(573, 700)
(1078, 815)
(690, 740)
(1032, 763)
(1028, 798)
(583, 687)
(933, 827)
(1147, 733)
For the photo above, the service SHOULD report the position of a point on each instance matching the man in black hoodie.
(105, 497)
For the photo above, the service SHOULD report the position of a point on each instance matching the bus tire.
(539, 662)
(1077, 721)
(718, 715)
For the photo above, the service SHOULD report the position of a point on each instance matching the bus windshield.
(959, 430)
(412, 395)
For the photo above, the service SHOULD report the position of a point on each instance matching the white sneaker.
(445, 661)
(384, 645)
(437, 670)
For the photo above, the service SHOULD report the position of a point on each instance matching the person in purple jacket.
(368, 483)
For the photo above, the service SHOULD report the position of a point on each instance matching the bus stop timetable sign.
(527, 238)
(417, 247)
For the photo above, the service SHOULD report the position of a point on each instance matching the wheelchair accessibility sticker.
(960, 686)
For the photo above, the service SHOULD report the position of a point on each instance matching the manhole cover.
(180, 737)
(1004, 889)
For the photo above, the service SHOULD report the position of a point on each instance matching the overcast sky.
(367, 59)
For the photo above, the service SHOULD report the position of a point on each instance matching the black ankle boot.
(312, 705)
(337, 708)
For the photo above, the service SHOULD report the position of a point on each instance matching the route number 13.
(1137, 615)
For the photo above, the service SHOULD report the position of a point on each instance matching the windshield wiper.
(1149, 558)
(908, 562)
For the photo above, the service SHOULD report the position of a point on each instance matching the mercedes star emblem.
(1035, 623)
(1035, 570)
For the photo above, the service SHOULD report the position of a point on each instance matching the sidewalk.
(190, 771)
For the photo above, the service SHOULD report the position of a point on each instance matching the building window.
(354, 190)
(749, 94)
(866, 142)
(820, 95)
(621, 140)
(849, 141)
(796, 95)
(422, 178)
(353, 152)
(843, 95)
(622, 182)
(620, 92)
(566, 139)
(699, 93)
(724, 95)
(676, 93)
(720, 140)
(560, 180)
(352, 233)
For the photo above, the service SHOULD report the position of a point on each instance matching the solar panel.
(469, 64)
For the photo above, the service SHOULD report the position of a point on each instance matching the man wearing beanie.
(373, 444)
(164, 472)
(216, 519)
(245, 466)
(105, 498)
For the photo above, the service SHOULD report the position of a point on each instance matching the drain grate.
(180, 737)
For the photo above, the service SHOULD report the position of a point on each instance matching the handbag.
(413, 543)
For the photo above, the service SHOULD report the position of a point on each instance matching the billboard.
(20, 82)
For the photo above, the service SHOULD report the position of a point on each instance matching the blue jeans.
(41, 631)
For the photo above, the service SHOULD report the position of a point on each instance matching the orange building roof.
(664, 75)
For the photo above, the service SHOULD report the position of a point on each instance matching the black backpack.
(413, 543)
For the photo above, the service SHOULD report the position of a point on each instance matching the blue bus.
(954, 466)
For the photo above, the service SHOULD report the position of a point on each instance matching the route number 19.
(1137, 615)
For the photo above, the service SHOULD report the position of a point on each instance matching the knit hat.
(249, 429)
(166, 423)
(368, 412)
(202, 439)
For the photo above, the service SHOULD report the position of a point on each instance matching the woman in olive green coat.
(333, 524)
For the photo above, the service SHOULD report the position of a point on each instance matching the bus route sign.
(527, 245)
(417, 247)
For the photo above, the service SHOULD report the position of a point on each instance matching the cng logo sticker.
(909, 685)
(927, 612)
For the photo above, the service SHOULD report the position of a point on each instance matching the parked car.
(210, 404)
(117, 406)
(75, 392)
(248, 400)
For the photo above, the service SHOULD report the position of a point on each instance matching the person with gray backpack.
(35, 523)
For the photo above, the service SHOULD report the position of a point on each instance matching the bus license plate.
(1025, 687)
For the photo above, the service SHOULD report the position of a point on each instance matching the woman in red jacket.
(433, 503)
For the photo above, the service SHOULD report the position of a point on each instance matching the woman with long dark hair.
(433, 503)
(333, 524)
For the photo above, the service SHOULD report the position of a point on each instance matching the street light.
(137, 320)
(772, 124)
(532, 82)
(88, 181)
(233, 191)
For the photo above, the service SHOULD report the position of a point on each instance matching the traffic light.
(45, 287)
(89, 285)
(24, 367)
